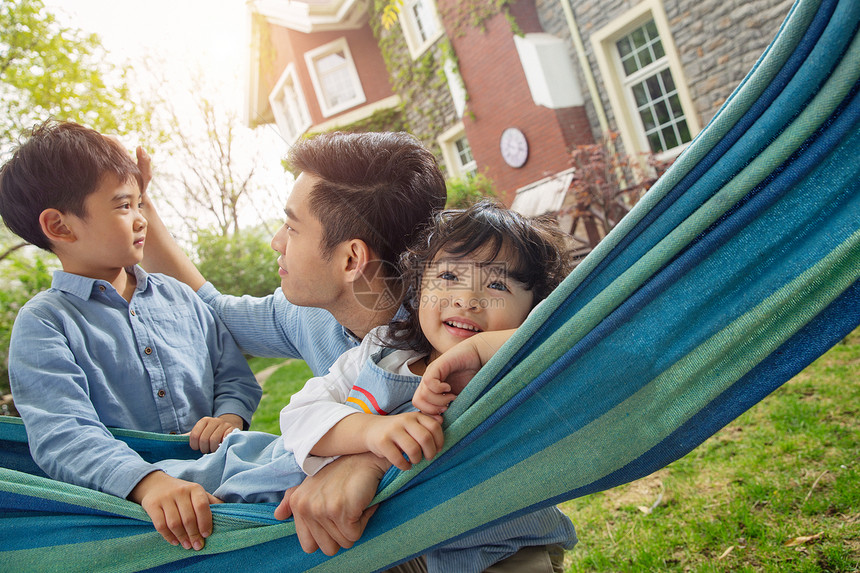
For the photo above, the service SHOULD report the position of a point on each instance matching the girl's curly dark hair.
(541, 258)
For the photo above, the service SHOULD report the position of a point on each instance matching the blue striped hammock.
(736, 270)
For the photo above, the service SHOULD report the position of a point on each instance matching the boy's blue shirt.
(83, 359)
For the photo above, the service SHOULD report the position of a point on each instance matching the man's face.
(307, 277)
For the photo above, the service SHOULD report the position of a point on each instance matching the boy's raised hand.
(179, 509)
(208, 433)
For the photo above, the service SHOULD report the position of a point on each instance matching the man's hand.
(144, 163)
(179, 509)
(208, 433)
(411, 433)
(330, 507)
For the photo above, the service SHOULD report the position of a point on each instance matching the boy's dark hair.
(58, 166)
(377, 187)
(541, 257)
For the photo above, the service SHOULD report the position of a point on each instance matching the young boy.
(110, 345)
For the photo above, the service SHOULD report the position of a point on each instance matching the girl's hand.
(412, 434)
(445, 377)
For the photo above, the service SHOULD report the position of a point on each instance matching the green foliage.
(240, 263)
(22, 278)
(420, 83)
(49, 70)
(468, 190)
(473, 14)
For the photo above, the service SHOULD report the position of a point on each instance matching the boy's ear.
(53, 224)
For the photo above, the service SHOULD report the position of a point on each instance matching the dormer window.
(334, 77)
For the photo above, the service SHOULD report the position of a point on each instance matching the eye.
(125, 206)
(498, 285)
(448, 276)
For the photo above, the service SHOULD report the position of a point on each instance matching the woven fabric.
(738, 268)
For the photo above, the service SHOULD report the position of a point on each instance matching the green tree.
(463, 192)
(239, 263)
(49, 70)
(23, 277)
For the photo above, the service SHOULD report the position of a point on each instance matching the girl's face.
(461, 297)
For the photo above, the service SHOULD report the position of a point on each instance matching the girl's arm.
(446, 376)
(411, 434)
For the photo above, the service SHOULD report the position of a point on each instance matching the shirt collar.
(84, 287)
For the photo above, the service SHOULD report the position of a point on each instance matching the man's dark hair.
(541, 257)
(378, 187)
(57, 167)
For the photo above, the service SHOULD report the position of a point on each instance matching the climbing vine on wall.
(421, 82)
(464, 15)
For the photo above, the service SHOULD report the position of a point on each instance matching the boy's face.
(307, 278)
(112, 234)
(461, 297)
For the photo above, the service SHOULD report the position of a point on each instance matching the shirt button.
(161, 393)
(102, 288)
(132, 313)
(147, 350)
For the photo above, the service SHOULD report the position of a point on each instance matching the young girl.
(482, 269)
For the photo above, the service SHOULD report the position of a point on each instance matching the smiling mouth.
(462, 325)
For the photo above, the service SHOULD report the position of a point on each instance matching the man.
(354, 208)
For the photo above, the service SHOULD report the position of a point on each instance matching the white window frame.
(290, 109)
(455, 86)
(411, 27)
(619, 92)
(451, 156)
(311, 57)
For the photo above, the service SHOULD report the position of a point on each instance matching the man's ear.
(53, 223)
(357, 256)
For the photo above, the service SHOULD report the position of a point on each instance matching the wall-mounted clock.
(514, 147)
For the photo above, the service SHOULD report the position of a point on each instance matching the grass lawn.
(776, 490)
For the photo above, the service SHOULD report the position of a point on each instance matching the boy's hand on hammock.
(179, 509)
(330, 507)
(208, 433)
(411, 433)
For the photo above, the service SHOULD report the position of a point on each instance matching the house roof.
(312, 15)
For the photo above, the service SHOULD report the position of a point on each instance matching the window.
(289, 107)
(457, 153)
(465, 160)
(648, 78)
(644, 82)
(421, 26)
(455, 86)
(334, 77)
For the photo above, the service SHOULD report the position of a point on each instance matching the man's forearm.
(163, 255)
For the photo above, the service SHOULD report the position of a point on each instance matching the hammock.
(737, 269)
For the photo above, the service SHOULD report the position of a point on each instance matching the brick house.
(507, 93)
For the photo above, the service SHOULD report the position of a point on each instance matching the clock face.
(514, 147)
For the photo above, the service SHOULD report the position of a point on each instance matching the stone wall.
(718, 42)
